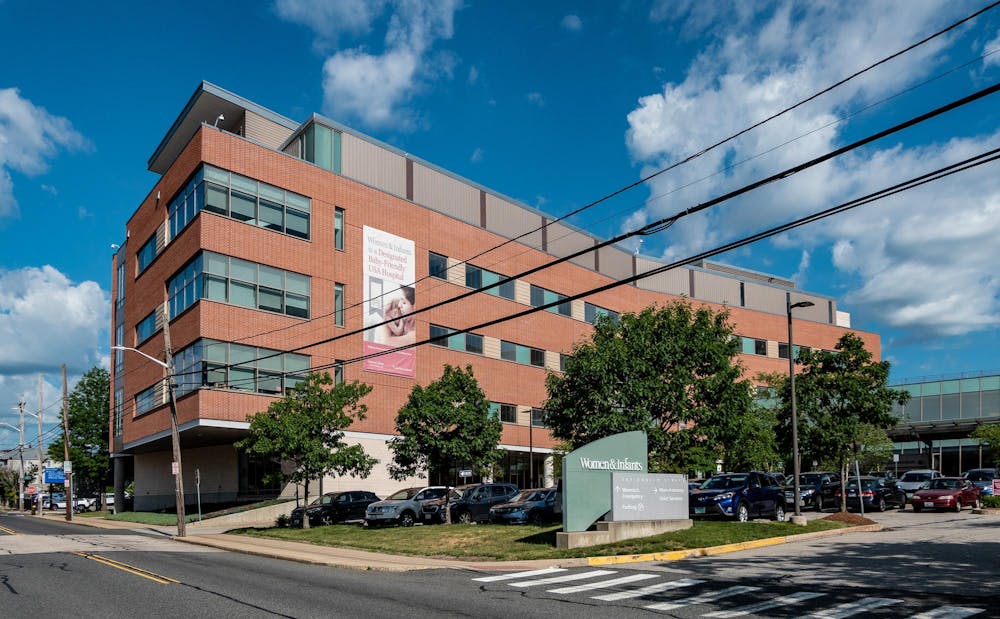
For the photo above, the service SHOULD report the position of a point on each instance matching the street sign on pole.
(55, 476)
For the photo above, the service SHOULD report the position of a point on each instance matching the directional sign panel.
(55, 476)
(648, 496)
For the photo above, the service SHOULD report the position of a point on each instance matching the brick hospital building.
(264, 235)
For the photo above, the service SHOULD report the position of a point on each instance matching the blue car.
(536, 506)
(983, 479)
(740, 496)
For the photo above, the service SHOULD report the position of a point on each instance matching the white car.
(911, 481)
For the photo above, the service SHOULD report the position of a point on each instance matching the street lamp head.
(801, 304)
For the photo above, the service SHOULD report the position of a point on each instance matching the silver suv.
(402, 508)
(911, 481)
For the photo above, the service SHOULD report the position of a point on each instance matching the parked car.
(695, 484)
(535, 506)
(816, 489)
(780, 477)
(876, 494)
(470, 503)
(85, 504)
(740, 496)
(335, 507)
(946, 493)
(983, 478)
(911, 481)
(403, 507)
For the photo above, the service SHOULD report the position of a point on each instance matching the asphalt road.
(922, 565)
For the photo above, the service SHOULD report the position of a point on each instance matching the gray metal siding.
(445, 194)
(767, 299)
(510, 220)
(716, 288)
(373, 165)
(674, 281)
(615, 263)
(564, 241)
(264, 131)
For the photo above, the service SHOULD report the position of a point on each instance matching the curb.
(678, 555)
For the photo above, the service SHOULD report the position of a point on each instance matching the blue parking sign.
(55, 476)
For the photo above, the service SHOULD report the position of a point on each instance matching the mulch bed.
(849, 518)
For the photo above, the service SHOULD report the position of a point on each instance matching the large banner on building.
(389, 275)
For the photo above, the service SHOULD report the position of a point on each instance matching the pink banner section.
(398, 363)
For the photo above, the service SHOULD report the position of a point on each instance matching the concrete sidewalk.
(205, 534)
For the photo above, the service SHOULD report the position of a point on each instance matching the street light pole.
(796, 468)
(174, 435)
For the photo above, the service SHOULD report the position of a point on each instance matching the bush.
(991, 501)
(282, 521)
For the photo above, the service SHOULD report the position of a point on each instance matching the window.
(760, 347)
(473, 276)
(120, 288)
(476, 277)
(563, 360)
(338, 229)
(146, 328)
(537, 357)
(448, 338)
(782, 350)
(538, 417)
(506, 412)
(206, 363)
(522, 354)
(239, 282)
(338, 304)
(540, 296)
(146, 253)
(119, 409)
(591, 312)
(148, 399)
(437, 265)
(338, 372)
(240, 198)
(508, 350)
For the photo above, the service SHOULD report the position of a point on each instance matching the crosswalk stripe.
(949, 612)
(785, 600)
(516, 575)
(659, 587)
(711, 596)
(854, 608)
(604, 584)
(555, 579)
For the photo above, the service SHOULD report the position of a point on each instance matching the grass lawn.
(506, 543)
(147, 517)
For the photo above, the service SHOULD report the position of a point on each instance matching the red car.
(946, 493)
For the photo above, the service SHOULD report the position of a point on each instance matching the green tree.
(443, 425)
(842, 400)
(989, 434)
(8, 485)
(304, 429)
(89, 404)
(671, 371)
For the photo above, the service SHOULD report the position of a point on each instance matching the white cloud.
(29, 138)
(370, 87)
(535, 98)
(477, 155)
(572, 23)
(47, 320)
(924, 259)
(12, 388)
(993, 49)
(473, 76)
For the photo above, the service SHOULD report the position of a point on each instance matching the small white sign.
(173, 468)
(465, 473)
(895, 457)
(68, 466)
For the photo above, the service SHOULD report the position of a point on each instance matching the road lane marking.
(659, 587)
(949, 612)
(785, 600)
(9, 531)
(711, 596)
(547, 581)
(516, 575)
(604, 584)
(854, 608)
(125, 567)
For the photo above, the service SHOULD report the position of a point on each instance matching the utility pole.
(67, 465)
(20, 452)
(41, 468)
(174, 435)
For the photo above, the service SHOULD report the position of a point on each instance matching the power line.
(663, 223)
(677, 163)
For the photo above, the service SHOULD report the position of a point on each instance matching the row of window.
(239, 282)
(479, 278)
(752, 346)
(240, 198)
(205, 363)
(146, 328)
(508, 414)
(473, 343)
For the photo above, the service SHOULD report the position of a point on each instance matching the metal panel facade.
(510, 220)
(445, 194)
(264, 131)
(373, 166)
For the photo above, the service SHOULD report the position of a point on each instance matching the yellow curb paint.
(125, 567)
(9, 531)
(678, 555)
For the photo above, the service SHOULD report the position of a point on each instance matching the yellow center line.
(125, 567)
(9, 531)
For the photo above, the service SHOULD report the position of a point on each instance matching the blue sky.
(552, 103)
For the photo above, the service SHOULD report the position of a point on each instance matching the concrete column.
(119, 485)
(547, 471)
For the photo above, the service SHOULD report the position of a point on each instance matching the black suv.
(470, 503)
(335, 507)
(817, 489)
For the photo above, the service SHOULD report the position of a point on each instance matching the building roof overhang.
(205, 106)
